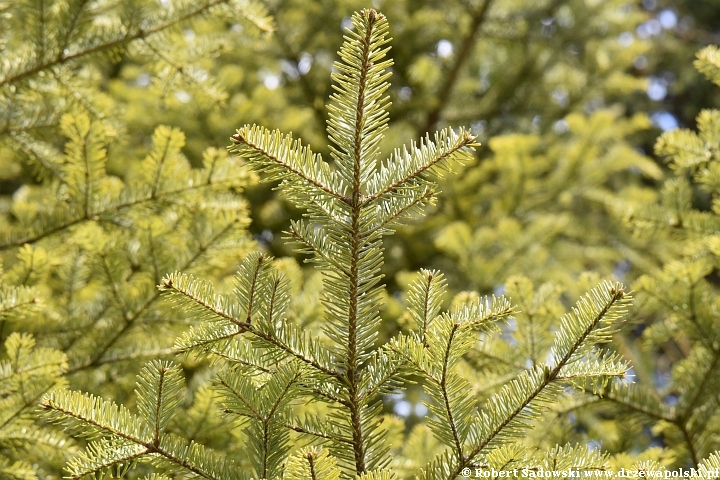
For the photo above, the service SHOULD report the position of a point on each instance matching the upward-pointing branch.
(352, 354)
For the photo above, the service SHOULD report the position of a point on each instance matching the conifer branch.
(683, 418)
(97, 415)
(251, 298)
(72, 221)
(87, 104)
(476, 357)
(700, 390)
(304, 365)
(422, 159)
(32, 148)
(226, 356)
(253, 412)
(330, 397)
(91, 416)
(690, 446)
(286, 158)
(369, 18)
(708, 62)
(614, 300)
(187, 75)
(41, 38)
(318, 429)
(272, 339)
(72, 24)
(404, 207)
(26, 404)
(317, 244)
(311, 463)
(103, 459)
(425, 316)
(274, 309)
(128, 37)
(268, 417)
(131, 318)
(119, 301)
(14, 300)
(381, 374)
(627, 402)
(416, 354)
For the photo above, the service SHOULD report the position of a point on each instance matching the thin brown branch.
(462, 56)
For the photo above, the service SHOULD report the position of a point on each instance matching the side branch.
(406, 209)
(446, 398)
(150, 446)
(298, 355)
(247, 145)
(63, 57)
(129, 322)
(314, 245)
(169, 285)
(318, 434)
(244, 327)
(445, 149)
(549, 376)
(70, 221)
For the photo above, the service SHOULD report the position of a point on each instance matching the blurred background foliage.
(567, 97)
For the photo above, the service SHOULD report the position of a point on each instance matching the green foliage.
(289, 372)
(84, 248)
(535, 194)
(323, 383)
(29, 448)
(311, 463)
(105, 290)
(680, 299)
(45, 69)
(708, 63)
(119, 438)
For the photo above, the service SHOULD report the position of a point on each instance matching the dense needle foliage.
(162, 341)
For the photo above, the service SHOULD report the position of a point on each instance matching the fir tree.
(85, 242)
(289, 384)
(100, 306)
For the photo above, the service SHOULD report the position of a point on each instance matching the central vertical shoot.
(357, 119)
